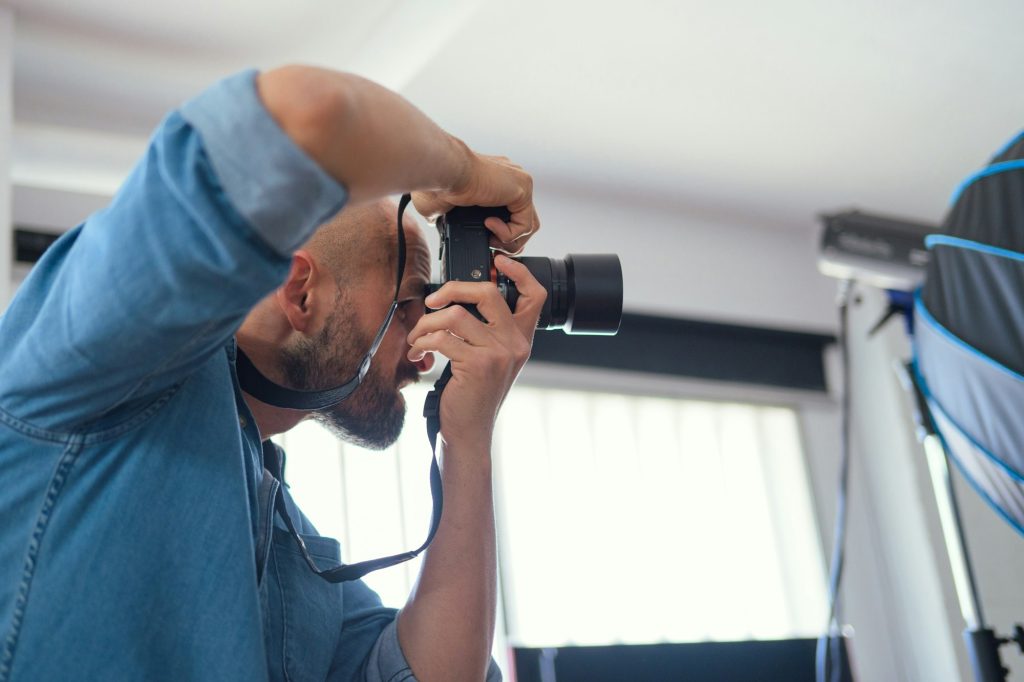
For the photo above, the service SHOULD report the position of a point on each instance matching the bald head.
(315, 329)
(358, 239)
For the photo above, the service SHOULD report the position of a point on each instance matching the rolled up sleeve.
(134, 299)
(387, 662)
(271, 182)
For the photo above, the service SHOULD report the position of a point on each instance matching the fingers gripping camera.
(584, 290)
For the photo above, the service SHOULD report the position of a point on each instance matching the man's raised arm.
(376, 143)
(130, 303)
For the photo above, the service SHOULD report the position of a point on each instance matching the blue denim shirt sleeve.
(133, 300)
(279, 190)
(387, 663)
(368, 624)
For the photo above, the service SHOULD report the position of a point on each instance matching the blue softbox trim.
(921, 311)
(995, 168)
(1009, 143)
(953, 455)
(937, 407)
(982, 395)
(981, 491)
(933, 240)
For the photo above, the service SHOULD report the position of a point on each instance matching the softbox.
(969, 338)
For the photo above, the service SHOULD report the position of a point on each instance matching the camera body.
(584, 290)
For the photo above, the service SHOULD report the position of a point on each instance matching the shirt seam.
(54, 488)
(284, 616)
(407, 672)
(133, 422)
(29, 430)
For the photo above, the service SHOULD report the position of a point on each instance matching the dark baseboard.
(787, 660)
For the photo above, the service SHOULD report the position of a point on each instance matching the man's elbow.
(310, 104)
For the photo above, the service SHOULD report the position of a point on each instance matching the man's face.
(373, 415)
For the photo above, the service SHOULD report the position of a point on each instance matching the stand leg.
(983, 651)
(982, 643)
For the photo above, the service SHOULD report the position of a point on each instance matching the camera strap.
(262, 388)
(256, 384)
(346, 572)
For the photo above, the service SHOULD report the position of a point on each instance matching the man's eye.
(408, 307)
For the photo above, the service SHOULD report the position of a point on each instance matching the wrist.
(461, 164)
(468, 445)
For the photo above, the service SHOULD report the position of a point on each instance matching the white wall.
(72, 159)
(6, 117)
(679, 263)
(53, 210)
(49, 210)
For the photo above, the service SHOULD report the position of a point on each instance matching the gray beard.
(373, 415)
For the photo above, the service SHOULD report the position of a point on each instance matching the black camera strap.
(263, 389)
(267, 391)
(346, 572)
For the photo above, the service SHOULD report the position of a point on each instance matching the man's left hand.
(486, 357)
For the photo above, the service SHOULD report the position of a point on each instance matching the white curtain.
(621, 519)
(630, 519)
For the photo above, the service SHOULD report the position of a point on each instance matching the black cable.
(828, 659)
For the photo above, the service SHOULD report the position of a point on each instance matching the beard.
(372, 416)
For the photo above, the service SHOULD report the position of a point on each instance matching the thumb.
(430, 204)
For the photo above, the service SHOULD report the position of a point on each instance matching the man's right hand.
(375, 143)
(489, 181)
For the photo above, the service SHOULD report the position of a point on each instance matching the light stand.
(982, 642)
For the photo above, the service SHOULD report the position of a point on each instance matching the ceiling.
(769, 112)
(753, 116)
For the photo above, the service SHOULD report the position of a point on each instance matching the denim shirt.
(130, 466)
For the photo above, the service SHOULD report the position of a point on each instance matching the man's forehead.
(417, 251)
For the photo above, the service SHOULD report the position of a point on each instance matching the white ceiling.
(735, 112)
(770, 111)
(118, 65)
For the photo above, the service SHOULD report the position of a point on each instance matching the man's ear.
(296, 295)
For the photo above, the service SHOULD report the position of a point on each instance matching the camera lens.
(584, 292)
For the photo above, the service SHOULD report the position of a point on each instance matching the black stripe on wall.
(29, 245)
(695, 349)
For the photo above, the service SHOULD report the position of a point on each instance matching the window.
(633, 520)
(373, 503)
(621, 518)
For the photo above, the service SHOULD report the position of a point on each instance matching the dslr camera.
(584, 290)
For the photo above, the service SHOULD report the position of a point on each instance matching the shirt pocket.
(307, 611)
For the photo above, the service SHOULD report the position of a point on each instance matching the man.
(135, 543)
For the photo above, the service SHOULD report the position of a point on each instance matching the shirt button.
(242, 422)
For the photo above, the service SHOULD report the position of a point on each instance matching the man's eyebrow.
(413, 291)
